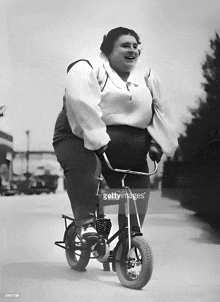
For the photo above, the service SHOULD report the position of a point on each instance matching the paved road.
(186, 256)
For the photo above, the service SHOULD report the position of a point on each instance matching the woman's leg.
(128, 150)
(80, 170)
(140, 188)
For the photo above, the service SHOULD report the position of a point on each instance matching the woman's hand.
(155, 152)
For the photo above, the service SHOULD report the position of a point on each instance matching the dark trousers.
(127, 150)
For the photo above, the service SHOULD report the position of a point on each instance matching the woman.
(106, 110)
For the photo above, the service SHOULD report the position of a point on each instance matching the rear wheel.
(134, 267)
(77, 254)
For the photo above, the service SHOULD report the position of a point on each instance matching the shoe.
(89, 234)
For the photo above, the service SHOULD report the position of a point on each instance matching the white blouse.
(96, 96)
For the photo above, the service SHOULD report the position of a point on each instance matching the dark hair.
(109, 39)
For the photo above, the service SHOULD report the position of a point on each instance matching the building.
(6, 156)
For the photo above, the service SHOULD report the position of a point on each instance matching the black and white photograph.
(110, 151)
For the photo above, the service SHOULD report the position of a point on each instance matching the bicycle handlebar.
(130, 171)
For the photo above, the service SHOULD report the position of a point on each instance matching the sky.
(39, 39)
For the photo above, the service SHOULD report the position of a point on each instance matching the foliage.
(204, 128)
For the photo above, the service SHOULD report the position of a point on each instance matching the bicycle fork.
(128, 190)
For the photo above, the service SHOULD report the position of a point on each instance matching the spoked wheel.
(77, 254)
(134, 268)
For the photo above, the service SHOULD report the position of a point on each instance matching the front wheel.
(134, 267)
(77, 255)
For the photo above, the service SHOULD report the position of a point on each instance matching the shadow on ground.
(210, 233)
(54, 270)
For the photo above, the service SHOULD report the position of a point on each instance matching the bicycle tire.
(76, 258)
(145, 262)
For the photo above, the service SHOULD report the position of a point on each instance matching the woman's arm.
(82, 103)
(161, 128)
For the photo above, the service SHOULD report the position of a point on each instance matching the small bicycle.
(131, 257)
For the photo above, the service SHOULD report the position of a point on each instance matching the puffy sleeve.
(82, 103)
(161, 127)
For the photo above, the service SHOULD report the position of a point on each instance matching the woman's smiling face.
(124, 55)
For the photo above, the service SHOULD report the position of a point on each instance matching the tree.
(204, 128)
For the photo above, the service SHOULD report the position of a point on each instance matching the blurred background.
(180, 42)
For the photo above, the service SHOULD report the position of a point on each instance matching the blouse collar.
(116, 79)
